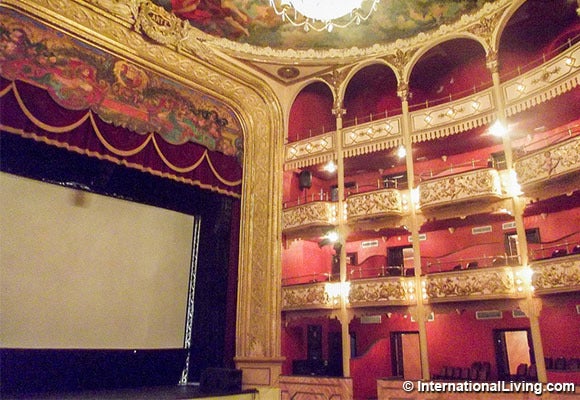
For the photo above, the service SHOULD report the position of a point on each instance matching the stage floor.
(182, 392)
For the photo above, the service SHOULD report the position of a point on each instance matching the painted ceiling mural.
(254, 22)
(119, 92)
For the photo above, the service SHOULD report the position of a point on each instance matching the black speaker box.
(221, 380)
(305, 180)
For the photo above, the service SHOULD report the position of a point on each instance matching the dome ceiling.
(254, 22)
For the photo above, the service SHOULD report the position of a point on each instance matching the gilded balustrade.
(475, 284)
(382, 291)
(556, 275)
(561, 159)
(378, 203)
(561, 274)
(480, 184)
(313, 214)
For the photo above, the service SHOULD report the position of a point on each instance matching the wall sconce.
(330, 167)
(544, 216)
(401, 151)
(498, 129)
(523, 279)
(451, 230)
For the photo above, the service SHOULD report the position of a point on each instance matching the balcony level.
(558, 274)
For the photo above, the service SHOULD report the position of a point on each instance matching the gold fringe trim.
(121, 153)
(106, 157)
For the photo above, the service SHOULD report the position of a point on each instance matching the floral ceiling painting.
(254, 22)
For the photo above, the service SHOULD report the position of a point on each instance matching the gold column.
(421, 311)
(342, 232)
(530, 306)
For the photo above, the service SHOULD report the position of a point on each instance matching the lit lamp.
(321, 15)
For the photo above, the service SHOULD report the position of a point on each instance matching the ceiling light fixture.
(324, 15)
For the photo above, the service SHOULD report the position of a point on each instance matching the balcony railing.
(559, 160)
(555, 275)
(314, 214)
(475, 284)
(559, 274)
(377, 203)
(553, 77)
(481, 184)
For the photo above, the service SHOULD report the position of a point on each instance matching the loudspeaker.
(221, 380)
(305, 180)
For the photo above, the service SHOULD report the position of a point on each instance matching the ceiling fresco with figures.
(255, 23)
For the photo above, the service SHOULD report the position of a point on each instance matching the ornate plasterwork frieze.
(301, 297)
(554, 161)
(316, 213)
(470, 285)
(551, 79)
(453, 117)
(556, 275)
(453, 189)
(377, 203)
(383, 291)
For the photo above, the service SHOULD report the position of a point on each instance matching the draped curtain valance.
(30, 112)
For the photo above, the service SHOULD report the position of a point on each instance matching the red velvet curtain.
(30, 112)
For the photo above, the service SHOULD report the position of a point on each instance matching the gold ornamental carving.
(316, 213)
(477, 285)
(548, 163)
(557, 275)
(167, 29)
(386, 290)
(482, 183)
(257, 333)
(305, 297)
(373, 204)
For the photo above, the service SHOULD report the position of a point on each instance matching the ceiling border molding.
(256, 53)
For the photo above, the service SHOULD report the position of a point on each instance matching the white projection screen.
(85, 271)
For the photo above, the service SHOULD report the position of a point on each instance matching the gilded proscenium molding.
(556, 275)
(373, 136)
(550, 162)
(480, 184)
(257, 335)
(473, 284)
(378, 203)
(453, 117)
(316, 213)
(309, 151)
(305, 297)
(557, 76)
(381, 291)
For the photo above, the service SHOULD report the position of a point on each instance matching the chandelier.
(323, 15)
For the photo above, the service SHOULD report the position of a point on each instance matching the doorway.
(406, 355)
(513, 347)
